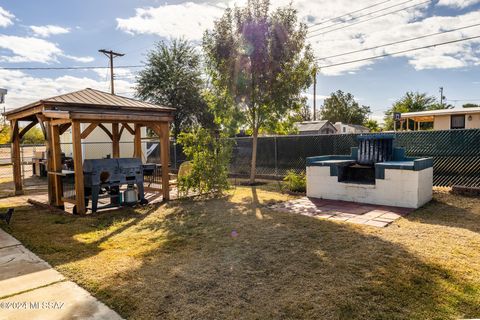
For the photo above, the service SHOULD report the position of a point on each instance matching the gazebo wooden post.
(56, 156)
(137, 142)
(115, 141)
(16, 159)
(78, 167)
(165, 155)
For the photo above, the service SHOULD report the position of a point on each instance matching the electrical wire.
(71, 68)
(361, 16)
(398, 52)
(398, 42)
(366, 20)
(346, 14)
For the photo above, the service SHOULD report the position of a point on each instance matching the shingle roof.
(311, 125)
(92, 98)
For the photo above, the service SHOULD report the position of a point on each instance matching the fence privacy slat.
(456, 153)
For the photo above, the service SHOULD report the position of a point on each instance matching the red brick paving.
(359, 213)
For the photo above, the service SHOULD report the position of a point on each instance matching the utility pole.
(3, 92)
(314, 94)
(441, 96)
(111, 54)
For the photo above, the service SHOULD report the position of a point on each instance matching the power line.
(347, 14)
(397, 42)
(361, 16)
(71, 68)
(372, 18)
(399, 52)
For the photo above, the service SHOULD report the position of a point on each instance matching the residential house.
(350, 128)
(444, 119)
(315, 127)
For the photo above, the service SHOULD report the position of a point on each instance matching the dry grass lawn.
(233, 258)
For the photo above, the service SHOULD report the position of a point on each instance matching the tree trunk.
(254, 156)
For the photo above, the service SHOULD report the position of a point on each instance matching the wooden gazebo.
(55, 115)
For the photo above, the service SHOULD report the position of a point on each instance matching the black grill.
(106, 176)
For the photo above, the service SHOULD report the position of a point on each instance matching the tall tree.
(342, 107)
(173, 78)
(259, 64)
(412, 102)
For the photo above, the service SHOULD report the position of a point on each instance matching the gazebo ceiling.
(90, 104)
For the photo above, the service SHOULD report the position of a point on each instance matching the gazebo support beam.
(16, 159)
(88, 130)
(137, 142)
(78, 167)
(56, 156)
(27, 128)
(115, 141)
(165, 155)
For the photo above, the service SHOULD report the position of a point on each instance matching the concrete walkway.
(31, 289)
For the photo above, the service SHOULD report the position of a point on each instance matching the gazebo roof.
(88, 101)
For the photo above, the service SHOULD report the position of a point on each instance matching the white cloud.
(5, 18)
(458, 3)
(24, 88)
(30, 49)
(48, 30)
(187, 19)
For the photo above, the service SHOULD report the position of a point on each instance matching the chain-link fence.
(456, 153)
(27, 154)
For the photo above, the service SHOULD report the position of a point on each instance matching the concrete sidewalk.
(31, 289)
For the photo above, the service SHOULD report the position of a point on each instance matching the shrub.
(295, 182)
(209, 157)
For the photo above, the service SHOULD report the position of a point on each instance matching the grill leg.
(95, 192)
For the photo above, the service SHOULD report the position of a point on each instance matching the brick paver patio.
(359, 213)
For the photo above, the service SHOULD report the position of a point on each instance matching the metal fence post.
(175, 154)
(276, 156)
(22, 162)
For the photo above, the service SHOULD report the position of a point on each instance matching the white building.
(350, 128)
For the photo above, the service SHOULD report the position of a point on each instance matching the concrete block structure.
(401, 181)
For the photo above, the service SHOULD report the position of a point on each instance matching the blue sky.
(69, 33)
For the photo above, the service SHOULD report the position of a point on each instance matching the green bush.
(295, 182)
(209, 158)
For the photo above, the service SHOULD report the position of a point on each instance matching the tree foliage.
(471, 105)
(209, 157)
(412, 102)
(33, 136)
(372, 125)
(4, 134)
(259, 64)
(173, 78)
(342, 107)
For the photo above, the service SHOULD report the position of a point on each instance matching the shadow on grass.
(284, 267)
(234, 258)
(451, 211)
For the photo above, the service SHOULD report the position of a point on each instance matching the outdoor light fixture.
(469, 118)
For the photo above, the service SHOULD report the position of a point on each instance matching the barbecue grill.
(104, 177)
(370, 174)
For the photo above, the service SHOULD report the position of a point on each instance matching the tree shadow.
(235, 258)
(280, 266)
(451, 211)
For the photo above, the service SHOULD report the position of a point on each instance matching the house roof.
(91, 98)
(440, 112)
(311, 125)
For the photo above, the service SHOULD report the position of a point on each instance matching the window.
(457, 122)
